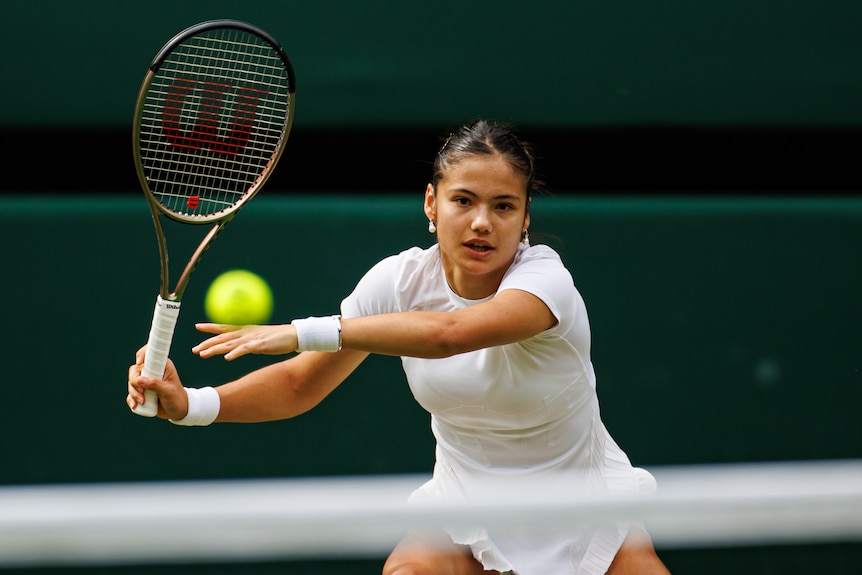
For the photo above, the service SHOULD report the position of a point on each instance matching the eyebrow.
(475, 195)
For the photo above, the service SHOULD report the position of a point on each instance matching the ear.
(430, 203)
(527, 220)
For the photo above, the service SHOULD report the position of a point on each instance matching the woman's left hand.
(235, 341)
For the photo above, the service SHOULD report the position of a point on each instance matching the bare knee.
(406, 568)
(637, 556)
(419, 562)
(453, 564)
(435, 555)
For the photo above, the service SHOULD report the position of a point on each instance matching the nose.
(481, 220)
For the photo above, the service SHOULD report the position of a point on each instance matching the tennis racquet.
(211, 121)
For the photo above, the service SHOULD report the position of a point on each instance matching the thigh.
(420, 554)
(637, 556)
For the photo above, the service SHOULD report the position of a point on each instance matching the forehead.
(484, 174)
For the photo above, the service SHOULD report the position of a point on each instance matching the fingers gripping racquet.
(211, 121)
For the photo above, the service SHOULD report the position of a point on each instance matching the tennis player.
(495, 343)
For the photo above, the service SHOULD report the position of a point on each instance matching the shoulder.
(383, 287)
(539, 270)
(539, 260)
(539, 252)
(408, 262)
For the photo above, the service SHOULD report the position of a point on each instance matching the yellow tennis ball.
(239, 297)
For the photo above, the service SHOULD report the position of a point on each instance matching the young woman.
(495, 342)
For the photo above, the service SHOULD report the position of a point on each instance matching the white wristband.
(204, 405)
(318, 333)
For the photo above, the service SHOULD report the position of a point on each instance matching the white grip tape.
(158, 347)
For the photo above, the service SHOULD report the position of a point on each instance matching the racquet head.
(211, 120)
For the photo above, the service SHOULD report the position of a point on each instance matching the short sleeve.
(540, 271)
(375, 291)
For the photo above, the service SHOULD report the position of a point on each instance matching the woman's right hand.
(173, 400)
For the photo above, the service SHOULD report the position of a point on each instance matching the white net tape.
(748, 504)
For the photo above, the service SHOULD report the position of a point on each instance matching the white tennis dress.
(504, 415)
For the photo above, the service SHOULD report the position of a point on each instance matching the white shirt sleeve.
(375, 292)
(541, 272)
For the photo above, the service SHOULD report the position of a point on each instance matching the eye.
(505, 207)
(461, 201)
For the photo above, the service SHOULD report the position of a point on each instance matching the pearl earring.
(432, 227)
(525, 238)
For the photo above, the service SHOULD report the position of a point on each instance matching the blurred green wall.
(725, 330)
(543, 63)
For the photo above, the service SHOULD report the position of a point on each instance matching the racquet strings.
(213, 120)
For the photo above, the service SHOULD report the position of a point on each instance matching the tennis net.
(779, 503)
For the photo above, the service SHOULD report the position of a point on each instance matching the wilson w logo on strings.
(179, 112)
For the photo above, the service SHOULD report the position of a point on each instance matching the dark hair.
(486, 138)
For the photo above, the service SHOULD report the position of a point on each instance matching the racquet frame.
(168, 301)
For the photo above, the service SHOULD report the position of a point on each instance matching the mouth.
(478, 246)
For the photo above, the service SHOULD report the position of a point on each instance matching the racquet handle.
(158, 348)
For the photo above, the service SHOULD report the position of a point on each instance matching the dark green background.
(544, 62)
(626, 96)
(725, 330)
(702, 160)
